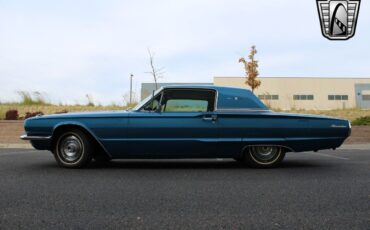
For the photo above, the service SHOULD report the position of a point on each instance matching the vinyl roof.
(228, 97)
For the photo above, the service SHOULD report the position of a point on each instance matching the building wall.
(286, 88)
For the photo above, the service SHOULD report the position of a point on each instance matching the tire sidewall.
(252, 161)
(86, 154)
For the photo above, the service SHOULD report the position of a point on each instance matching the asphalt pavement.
(324, 190)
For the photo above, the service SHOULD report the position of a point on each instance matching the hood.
(97, 114)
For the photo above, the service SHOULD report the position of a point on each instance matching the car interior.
(182, 100)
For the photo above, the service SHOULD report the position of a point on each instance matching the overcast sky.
(70, 48)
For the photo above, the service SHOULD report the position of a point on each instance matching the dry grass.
(51, 109)
(349, 114)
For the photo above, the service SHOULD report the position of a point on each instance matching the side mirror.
(158, 109)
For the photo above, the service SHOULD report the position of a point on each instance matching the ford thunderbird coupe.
(185, 122)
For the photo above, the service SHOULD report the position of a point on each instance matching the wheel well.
(287, 149)
(64, 128)
(283, 147)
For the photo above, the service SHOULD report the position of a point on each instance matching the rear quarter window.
(239, 99)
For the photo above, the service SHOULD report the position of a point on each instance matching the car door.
(185, 126)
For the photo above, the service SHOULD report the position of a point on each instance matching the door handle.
(207, 119)
(210, 118)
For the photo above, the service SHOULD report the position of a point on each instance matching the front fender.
(78, 125)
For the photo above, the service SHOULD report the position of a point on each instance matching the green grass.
(362, 121)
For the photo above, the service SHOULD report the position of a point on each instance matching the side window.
(152, 105)
(186, 105)
(188, 100)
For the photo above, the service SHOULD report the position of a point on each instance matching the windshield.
(146, 100)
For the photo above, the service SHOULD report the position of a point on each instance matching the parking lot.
(325, 190)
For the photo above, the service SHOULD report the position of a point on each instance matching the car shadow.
(194, 164)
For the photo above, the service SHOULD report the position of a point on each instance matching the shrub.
(29, 114)
(11, 115)
(90, 101)
(63, 111)
(361, 121)
(33, 98)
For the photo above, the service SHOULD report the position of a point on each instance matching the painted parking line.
(328, 155)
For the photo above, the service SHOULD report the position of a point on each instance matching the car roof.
(200, 86)
(228, 97)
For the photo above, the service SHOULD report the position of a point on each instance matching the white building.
(308, 92)
(288, 93)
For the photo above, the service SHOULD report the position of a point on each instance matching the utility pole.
(131, 76)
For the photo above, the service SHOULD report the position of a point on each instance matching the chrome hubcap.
(265, 153)
(71, 148)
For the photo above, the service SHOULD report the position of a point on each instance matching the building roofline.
(179, 83)
(199, 86)
(301, 77)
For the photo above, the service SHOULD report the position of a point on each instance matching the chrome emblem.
(338, 18)
(338, 126)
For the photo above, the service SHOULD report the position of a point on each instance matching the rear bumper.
(349, 128)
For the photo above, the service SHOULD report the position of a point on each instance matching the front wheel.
(73, 149)
(264, 156)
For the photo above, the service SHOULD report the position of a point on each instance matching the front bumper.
(34, 138)
(39, 142)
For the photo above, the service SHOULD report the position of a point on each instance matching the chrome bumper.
(34, 138)
(350, 128)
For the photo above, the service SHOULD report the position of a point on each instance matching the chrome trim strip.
(338, 126)
(166, 139)
(350, 128)
(35, 138)
(243, 110)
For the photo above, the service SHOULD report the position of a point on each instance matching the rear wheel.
(263, 156)
(73, 149)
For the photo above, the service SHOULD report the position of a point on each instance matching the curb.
(355, 147)
(16, 146)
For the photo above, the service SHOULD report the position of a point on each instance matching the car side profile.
(185, 122)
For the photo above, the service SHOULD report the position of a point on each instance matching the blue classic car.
(185, 122)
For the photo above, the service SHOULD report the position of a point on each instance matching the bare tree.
(251, 72)
(156, 73)
(90, 100)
